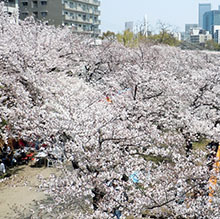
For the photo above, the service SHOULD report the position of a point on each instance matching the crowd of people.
(21, 152)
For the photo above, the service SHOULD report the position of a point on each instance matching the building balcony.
(98, 22)
(91, 2)
(79, 9)
(89, 32)
(81, 20)
(12, 4)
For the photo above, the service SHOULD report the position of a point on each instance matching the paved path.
(17, 193)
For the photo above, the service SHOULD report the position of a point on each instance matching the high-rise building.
(81, 15)
(129, 26)
(211, 19)
(203, 8)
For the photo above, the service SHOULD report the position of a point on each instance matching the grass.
(156, 159)
(200, 145)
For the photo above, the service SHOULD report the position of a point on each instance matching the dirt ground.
(20, 191)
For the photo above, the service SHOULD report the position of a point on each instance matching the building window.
(35, 13)
(43, 13)
(24, 14)
(43, 2)
(72, 5)
(72, 15)
(35, 4)
(25, 3)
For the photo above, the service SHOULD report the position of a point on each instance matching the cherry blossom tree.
(127, 113)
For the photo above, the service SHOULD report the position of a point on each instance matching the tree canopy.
(129, 113)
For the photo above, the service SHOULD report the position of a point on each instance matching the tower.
(145, 25)
(203, 8)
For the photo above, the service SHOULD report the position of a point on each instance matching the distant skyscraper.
(203, 8)
(129, 26)
(210, 20)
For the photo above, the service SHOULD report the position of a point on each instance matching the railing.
(81, 20)
(96, 32)
(79, 9)
(9, 4)
(92, 2)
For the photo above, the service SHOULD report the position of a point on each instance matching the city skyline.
(115, 13)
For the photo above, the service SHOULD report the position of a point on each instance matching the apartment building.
(10, 6)
(199, 36)
(80, 15)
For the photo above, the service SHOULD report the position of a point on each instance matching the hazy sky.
(114, 13)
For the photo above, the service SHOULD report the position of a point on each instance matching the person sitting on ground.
(21, 143)
(8, 150)
(4, 149)
(2, 167)
(12, 159)
(23, 154)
